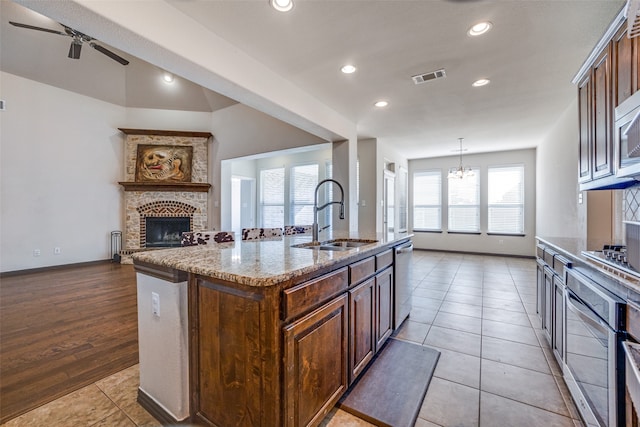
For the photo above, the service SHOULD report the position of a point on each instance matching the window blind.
(272, 197)
(464, 203)
(304, 179)
(506, 199)
(427, 200)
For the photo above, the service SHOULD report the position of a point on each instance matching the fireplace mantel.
(194, 187)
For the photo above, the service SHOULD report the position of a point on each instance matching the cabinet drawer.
(560, 264)
(307, 295)
(540, 251)
(360, 270)
(384, 260)
(548, 256)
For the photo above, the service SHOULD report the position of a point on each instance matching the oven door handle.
(585, 313)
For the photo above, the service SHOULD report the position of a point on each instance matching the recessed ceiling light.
(167, 77)
(381, 104)
(348, 69)
(281, 5)
(480, 28)
(481, 82)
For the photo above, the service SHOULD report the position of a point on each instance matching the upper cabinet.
(608, 79)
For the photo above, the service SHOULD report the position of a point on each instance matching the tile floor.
(495, 367)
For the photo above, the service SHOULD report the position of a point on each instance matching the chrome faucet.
(317, 209)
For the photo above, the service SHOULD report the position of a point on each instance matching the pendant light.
(460, 172)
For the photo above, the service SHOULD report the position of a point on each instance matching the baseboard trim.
(156, 410)
(475, 253)
(52, 267)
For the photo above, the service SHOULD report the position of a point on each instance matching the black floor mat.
(390, 392)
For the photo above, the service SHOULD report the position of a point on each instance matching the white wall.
(372, 156)
(241, 131)
(61, 158)
(558, 212)
(482, 243)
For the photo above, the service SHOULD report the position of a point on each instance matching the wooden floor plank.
(63, 329)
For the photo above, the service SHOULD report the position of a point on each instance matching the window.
(427, 200)
(304, 179)
(506, 199)
(464, 203)
(272, 197)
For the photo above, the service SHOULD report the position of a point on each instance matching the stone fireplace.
(156, 213)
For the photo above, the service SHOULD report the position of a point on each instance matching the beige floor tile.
(514, 353)
(499, 411)
(423, 315)
(458, 322)
(523, 385)
(413, 331)
(503, 304)
(119, 419)
(463, 309)
(522, 334)
(122, 388)
(511, 317)
(86, 406)
(426, 302)
(443, 404)
(453, 296)
(429, 293)
(424, 423)
(458, 367)
(340, 418)
(463, 342)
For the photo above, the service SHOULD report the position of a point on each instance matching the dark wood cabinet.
(384, 305)
(316, 363)
(362, 305)
(625, 66)
(602, 127)
(611, 78)
(584, 116)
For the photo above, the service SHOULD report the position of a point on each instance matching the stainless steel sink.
(336, 245)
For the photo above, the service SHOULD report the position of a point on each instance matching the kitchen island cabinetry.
(278, 349)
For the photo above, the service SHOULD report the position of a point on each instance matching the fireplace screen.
(164, 232)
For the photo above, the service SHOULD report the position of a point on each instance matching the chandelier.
(460, 172)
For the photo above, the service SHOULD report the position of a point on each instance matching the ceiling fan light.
(281, 5)
(74, 49)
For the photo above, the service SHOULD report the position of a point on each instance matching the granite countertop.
(263, 262)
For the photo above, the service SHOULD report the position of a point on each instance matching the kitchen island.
(267, 332)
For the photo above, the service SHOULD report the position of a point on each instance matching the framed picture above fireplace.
(156, 163)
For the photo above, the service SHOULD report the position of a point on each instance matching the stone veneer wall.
(140, 204)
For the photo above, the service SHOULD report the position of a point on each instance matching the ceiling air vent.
(421, 78)
(633, 18)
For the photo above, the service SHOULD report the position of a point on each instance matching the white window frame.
(292, 191)
(517, 196)
(264, 204)
(437, 206)
(471, 204)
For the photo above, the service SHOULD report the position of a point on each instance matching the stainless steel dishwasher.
(403, 288)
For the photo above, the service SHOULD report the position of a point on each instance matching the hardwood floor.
(63, 329)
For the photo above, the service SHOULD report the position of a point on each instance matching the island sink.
(336, 245)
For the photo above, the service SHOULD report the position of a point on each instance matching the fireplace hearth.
(165, 232)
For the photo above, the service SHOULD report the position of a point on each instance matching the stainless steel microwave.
(627, 137)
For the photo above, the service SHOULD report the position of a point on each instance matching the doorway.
(389, 205)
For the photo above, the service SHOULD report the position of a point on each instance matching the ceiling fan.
(76, 44)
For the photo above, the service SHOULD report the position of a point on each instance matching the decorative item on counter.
(290, 230)
(261, 233)
(192, 238)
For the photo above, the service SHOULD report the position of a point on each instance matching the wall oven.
(594, 363)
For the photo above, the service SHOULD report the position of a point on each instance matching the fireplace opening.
(162, 232)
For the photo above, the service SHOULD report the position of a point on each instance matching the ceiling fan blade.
(31, 27)
(109, 53)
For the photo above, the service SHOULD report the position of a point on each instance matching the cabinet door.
(384, 307)
(316, 363)
(623, 66)
(547, 318)
(362, 326)
(539, 287)
(558, 319)
(602, 164)
(584, 111)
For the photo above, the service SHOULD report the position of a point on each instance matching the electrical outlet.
(36, 252)
(57, 251)
(155, 304)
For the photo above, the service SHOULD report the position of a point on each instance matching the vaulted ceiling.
(531, 55)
